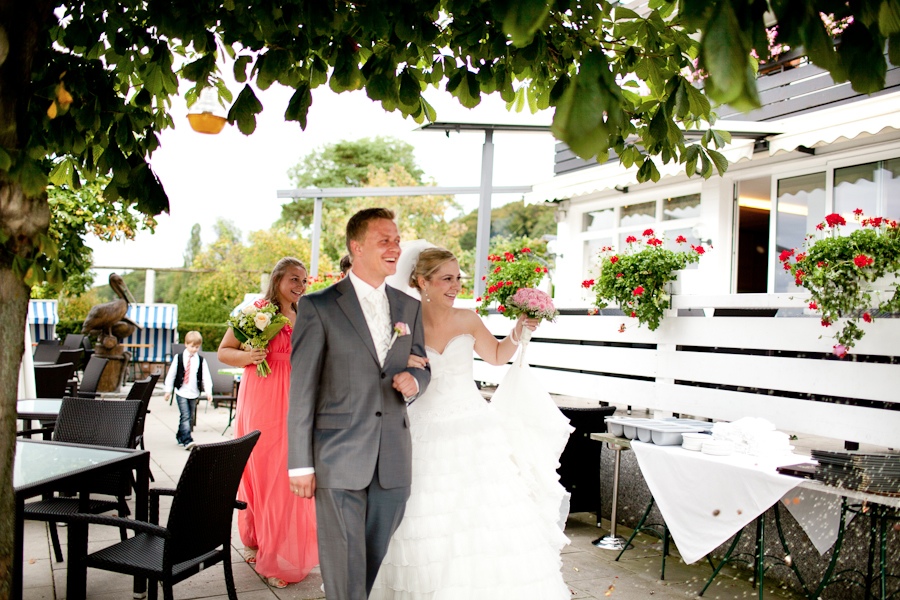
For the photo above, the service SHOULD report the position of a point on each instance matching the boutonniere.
(400, 329)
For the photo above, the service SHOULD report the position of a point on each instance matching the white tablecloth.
(706, 499)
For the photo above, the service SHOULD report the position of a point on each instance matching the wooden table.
(42, 467)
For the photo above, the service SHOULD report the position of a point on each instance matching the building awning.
(845, 122)
(153, 342)
(612, 175)
(819, 128)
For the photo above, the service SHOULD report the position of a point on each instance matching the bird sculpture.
(108, 321)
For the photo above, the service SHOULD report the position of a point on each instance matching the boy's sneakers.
(190, 445)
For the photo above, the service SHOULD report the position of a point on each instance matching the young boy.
(189, 376)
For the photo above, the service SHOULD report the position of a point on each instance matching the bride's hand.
(525, 321)
(416, 362)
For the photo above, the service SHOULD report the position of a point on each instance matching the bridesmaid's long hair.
(278, 272)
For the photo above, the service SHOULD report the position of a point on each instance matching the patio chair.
(91, 377)
(74, 356)
(223, 384)
(94, 422)
(46, 351)
(198, 532)
(74, 340)
(50, 381)
(141, 391)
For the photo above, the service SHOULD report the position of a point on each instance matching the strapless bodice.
(452, 390)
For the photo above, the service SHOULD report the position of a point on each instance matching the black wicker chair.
(198, 532)
(46, 351)
(91, 378)
(76, 357)
(96, 422)
(141, 391)
(50, 381)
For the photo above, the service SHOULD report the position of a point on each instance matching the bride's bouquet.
(254, 327)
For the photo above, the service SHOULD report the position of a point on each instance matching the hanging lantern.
(203, 117)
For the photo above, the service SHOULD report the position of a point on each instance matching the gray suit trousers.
(374, 510)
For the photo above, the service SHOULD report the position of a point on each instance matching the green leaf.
(648, 171)
(889, 17)
(298, 105)
(719, 160)
(30, 176)
(240, 68)
(244, 110)
(862, 56)
(62, 173)
(5, 160)
(523, 18)
(725, 55)
(621, 13)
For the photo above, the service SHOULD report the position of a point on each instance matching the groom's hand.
(304, 485)
(406, 384)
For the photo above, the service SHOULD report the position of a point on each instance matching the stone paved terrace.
(589, 571)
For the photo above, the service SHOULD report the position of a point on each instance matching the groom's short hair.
(359, 223)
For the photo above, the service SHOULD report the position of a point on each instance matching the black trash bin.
(579, 465)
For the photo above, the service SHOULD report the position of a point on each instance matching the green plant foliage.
(508, 272)
(635, 280)
(838, 270)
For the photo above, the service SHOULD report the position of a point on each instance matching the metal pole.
(316, 238)
(483, 236)
(149, 286)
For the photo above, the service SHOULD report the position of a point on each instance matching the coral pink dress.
(278, 523)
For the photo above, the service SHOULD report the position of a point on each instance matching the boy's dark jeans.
(186, 407)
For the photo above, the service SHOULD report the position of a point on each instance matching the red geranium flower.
(633, 314)
(826, 323)
(587, 283)
(858, 212)
(501, 308)
(526, 249)
(680, 239)
(613, 259)
(630, 239)
(861, 260)
(785, 255)
(813, 306)
(620, 274)
(867, 317)
(648, 232)
(699, 249)
(834, 219)
(638, 291)
(655, 242)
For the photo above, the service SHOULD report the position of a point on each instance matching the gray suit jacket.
(344, 416)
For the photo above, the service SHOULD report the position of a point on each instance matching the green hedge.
(67, 326)
(212, 333)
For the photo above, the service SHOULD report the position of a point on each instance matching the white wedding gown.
(482, 520)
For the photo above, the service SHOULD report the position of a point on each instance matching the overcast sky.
(237, 177)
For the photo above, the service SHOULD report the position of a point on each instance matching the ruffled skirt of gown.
(477, 525)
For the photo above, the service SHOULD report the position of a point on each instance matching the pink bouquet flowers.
(532, 302)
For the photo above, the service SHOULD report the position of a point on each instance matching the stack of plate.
(878, 473)
(718, 447)
(694, 441)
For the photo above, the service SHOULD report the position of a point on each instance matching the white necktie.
(379, 323)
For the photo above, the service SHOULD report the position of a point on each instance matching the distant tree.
(512, 220)
(193, 246)
(75, 213)
(347, 163)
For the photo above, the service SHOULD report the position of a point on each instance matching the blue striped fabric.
(159, 324)
(42, 318)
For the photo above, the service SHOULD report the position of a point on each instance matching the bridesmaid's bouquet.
(254, 327)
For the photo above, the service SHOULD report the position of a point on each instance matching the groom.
(348, 433)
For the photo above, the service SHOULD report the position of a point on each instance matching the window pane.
(599, 219)
(856, 187)
(638, 214)
(682, 207)
(592, 256)
(891, 175)
(800, 206)
(671, 244)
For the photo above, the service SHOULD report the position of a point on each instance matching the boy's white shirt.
(190, 390)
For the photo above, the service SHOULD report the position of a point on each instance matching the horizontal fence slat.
(855, 423)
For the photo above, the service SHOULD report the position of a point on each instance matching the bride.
(477, 524)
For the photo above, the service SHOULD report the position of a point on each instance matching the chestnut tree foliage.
(86, 87)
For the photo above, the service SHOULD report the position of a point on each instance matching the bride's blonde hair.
(430, 260)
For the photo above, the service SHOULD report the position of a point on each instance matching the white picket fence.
(725, 367)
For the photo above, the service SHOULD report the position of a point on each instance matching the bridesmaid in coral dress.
(278, 529)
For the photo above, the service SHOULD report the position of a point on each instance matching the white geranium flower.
(262, 320)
